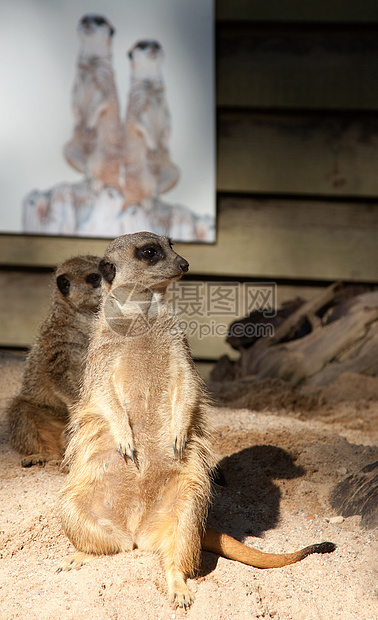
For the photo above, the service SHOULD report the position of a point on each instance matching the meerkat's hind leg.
(173, 531)
(178, 592)
(174, 548)
(39, 459)
(34, 433)
(75, 561)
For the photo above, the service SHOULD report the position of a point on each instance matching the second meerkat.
(39, 414)
(140, 452)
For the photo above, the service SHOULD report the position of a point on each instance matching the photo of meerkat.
(149, 170)
(128, 122)
(95, 146)
(140, 454)
(38, 415)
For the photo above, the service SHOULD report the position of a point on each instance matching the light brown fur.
(95, 145)
(38, 415)
(140, 453)
(148, 168)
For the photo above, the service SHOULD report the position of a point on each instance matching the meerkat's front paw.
(179, 444)
(127, 450)
(124, 440)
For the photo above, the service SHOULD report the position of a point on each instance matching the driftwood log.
(343, 337)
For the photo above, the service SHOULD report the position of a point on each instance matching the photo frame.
(60, 182)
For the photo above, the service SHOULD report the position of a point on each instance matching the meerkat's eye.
(149, 252)
(171, 244)
(99, 21)
(93, 278)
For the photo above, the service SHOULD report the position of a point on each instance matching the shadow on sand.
(250, 503)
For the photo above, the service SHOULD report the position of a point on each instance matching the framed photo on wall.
(108, 123)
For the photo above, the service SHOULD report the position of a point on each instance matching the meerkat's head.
(95, 34)
(146, 59)
(144, 259)
(78, 282)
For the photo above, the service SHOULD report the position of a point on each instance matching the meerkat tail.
(228, 547)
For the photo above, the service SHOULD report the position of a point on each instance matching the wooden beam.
(256, 238)
(313, 240)
(261, 67)
(26, 296)
(24, 302)
(297, 10)
(298, 154)
(45, 251)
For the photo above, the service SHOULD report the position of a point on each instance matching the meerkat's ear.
(63, 284)
(107, 270)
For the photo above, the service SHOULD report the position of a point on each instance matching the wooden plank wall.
(297, 175)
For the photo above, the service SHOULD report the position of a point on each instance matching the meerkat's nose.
(183, 265)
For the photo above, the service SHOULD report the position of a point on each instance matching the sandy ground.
(281, 454)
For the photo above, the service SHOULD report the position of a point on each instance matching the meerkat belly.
(156, 115)
(151, 436)
(123, 492)
(83, 98)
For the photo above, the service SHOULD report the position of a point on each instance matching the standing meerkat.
(95, 145)
(149, 170)
(140, 452)
(38, 415)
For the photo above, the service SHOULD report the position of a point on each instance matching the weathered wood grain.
(297, 10)
(303, 154)
(298, 360)
(257, 238)
(318, 68)
(25, 300)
